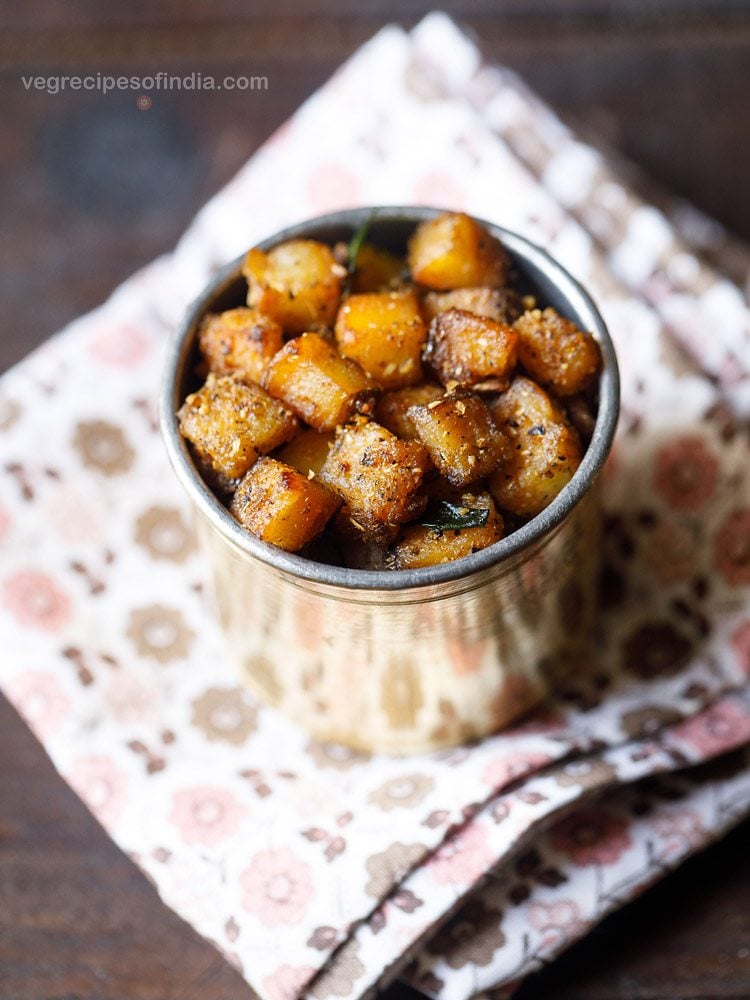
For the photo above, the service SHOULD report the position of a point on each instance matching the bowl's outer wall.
(409, 661)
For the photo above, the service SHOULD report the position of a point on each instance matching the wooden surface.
(93, 188)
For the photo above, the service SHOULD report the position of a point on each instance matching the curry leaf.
(442, 515)
(356, 242)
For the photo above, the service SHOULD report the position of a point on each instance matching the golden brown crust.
(504, 305)
(307, 451)
(470, 349)
(377, 270)
(392, 409)
(460, 435)
(419, 546)
(230, 422)
(556, 352)
(281, 506)
(298, 284)
(321, 387)
(378, 476)
(455, 251)
(384, 333)
(239, 340)
(544, 449)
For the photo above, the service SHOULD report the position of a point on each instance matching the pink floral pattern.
(206, 815)
(35, 600)
(591, 837)
(500, 772)
(77, 516)
(721, 727)
(102, 785)
(277, 887)
(679, 829)
(462, 858)
(564, 914)
(41, 700)
(120, 346)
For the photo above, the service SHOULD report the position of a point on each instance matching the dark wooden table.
(94, 188)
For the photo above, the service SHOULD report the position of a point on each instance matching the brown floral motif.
(647, 720)
(262, 673)
(401, 694)
(335, 755)
(323, 938)
(686, 473)
(338, 979)
(407, 791)
(584, 774)
(473, 935)
(732, 548)
(159, 632)
(10, 411)
(103, 447)
(669, 551)
(162, 531)
(387, 868)
(225, 715)
(655, 649)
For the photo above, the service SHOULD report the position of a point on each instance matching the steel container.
(412, 660)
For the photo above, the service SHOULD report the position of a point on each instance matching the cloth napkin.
(316, 870)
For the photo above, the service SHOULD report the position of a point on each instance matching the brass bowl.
(410, 660)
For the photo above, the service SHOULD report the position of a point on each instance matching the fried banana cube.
(384, 332)
(307, 451)
(241, 340)
(455, 251)
(281, 506)
(460, 436)
(297, 283)
(419, 545)
(230, 423)
(557, 353)
(312, 378)
(376, 270)
(544, 449)
(392, 408)
(471, 349)
(379, 477)
(504, 305)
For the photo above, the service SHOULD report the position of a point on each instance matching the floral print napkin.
(316, 870)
